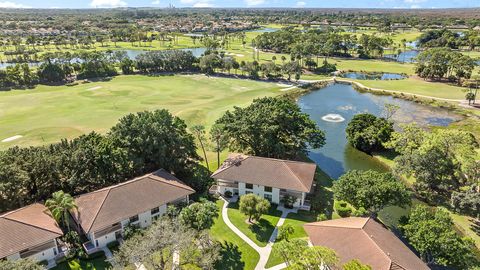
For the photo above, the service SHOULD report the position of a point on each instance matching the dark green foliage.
(371, 190)
(74, 244)
(270, 127)
(51, 72)
(200, 215)
(432, 234)
(19, 75)
(466, 202)
(367, 132)
(21, 264)
(165, 61)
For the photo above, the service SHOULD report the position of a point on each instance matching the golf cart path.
(264, 252)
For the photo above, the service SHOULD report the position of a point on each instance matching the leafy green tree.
(20, 264)
(290, 250)
(74, 244)
(466, 202)
(285, 231)
(155, 140)
(199, 215)
(253, 206)
(219, 140)
(431, 233)
(270, 127)
(60, 206)
(367, 132)
(407, 140)
(356, 265)
(316, 258)
(371, 190)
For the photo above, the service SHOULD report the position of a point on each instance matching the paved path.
(264, 252)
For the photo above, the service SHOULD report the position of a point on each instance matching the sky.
(412, 4)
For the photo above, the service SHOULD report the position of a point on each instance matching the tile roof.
(104, 207)
(284, 174)
(26, 227)
(366, 240)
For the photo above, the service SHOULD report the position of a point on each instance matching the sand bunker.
(94, 88)
(12, 138)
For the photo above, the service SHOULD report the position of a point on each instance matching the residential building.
(102, 215)
(270, 178)
(29, 232)
(366, 240)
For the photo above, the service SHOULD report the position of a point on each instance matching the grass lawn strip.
(236, 253)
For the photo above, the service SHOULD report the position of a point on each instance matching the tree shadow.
(262, 229)
(475, 226)
(231, 257)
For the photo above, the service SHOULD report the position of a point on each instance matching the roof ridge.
(220, 169)
(32, 225)
(283, 160)
(330, 226)
(165, 181)
(98, 211)
(296, 176)
(3, 215)
(375, 243)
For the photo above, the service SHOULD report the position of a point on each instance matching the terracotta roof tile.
(284, 174)
(102, 208)
(26, 227)
(366, 240)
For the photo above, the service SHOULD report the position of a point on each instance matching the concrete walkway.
(264, 252)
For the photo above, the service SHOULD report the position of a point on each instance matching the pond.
(404, 57)
(333, 107)
(372, 76)
(265, 30)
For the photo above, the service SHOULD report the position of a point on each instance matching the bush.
(360, 212)
(288, 201)
(342, 209)
(228, 194)
(113, 245)
(322, 217)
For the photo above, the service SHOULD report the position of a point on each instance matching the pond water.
(372, 76)
(404, 57)
(333, 107)
(265, 30)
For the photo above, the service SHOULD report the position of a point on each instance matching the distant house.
(366, 240)
(29, 232)
(102, 215)
(270, 178)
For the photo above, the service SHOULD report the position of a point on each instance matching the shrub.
(360, 212)
(322, 217)
(342, 209)
(228, 194)
(288, 201)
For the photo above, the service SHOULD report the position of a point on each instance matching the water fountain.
(334, 118)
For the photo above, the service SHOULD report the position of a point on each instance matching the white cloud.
(414, 1)
(198, 3)
(156, 2)
(8, 4)
(301, 4)
(254, 2)
(203, 4)
(415, 6)
(108, 3)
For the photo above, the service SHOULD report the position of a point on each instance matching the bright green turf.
(47, 114)
(237, 254)
(261, 230)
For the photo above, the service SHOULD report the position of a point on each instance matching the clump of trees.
(367, 133)
(138, 144)
(17, 76)
(21, 264)
(165, 61)
(443, 63)
(199, 215)
(431, 233)
(270, 127)
(355, 187)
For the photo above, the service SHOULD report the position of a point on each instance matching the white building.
(273, 179)
(102, 215)
(29, 232)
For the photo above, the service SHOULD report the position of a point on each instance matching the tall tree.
(270, 127)
(199, 132)
(367, 132)
(253, 206)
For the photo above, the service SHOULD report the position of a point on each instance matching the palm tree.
(59, 205)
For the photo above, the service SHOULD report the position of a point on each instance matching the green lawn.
(47, 114)
(261, 230)
(237, 254)
(94, 264)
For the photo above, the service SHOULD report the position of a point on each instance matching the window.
(155, 211)
(268, 197)
(267, 189)
(249, 186)
(248, 192)
(134, 219)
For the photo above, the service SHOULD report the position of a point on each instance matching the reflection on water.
(372, 76)
(337, 156)
(265, 30)
(404, 57)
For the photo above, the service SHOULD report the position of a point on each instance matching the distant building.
(366, 240)
(269, 178)
(102, 215)
(29, 232)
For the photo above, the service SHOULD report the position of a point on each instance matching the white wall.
(44, 255)
(105, 239)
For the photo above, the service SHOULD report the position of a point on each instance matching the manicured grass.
(296, 220)
(94, 264)
(236, 254)
(261, 230)
(47, 114)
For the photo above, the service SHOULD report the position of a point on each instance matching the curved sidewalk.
(264, 252)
